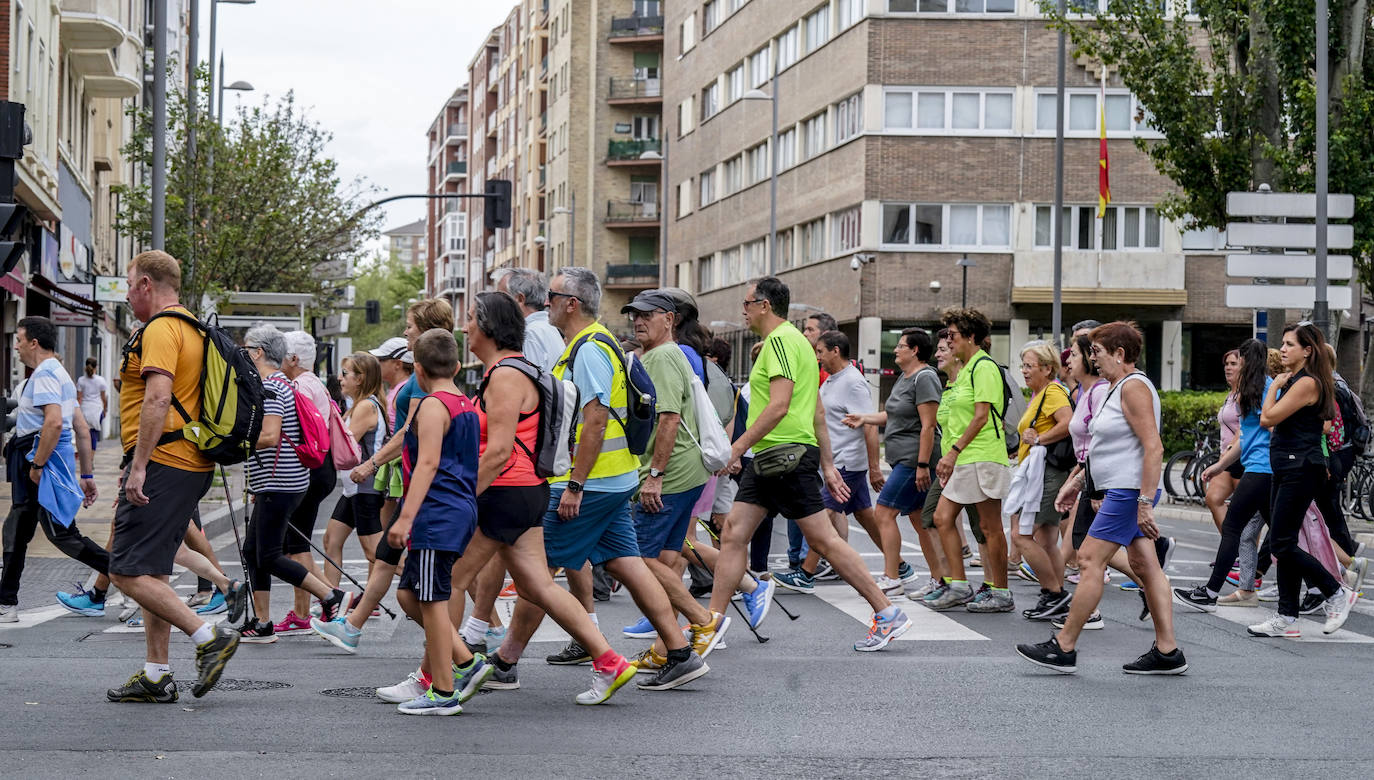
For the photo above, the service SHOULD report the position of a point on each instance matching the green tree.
(1234, 93)
(393, 285)
(270, 206)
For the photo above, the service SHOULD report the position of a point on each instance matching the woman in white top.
(360, 508)
(1124, 458)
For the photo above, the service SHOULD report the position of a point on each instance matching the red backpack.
(313, 448)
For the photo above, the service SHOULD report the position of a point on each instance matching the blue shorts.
(859, 497)
(1118, 520)
(900, 491)
(602, 530)
(665, 529)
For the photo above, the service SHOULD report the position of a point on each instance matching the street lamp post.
(571, 211)
(965, 263)
(756, 94)
(214, 24)
(240, 86)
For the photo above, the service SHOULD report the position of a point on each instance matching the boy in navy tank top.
(438, 511)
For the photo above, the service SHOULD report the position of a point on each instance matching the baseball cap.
(394, 348)
(686, 304)
(650, 300)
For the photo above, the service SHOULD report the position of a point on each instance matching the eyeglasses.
(251, 346)
(751, 301)
(1030, 366)
(645, 315)
(556, 294)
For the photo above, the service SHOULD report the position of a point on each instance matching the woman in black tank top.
(1296, 407)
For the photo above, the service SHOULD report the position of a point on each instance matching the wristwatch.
(37, 466)
(1144, 500)
(574, 486)
(655, 473)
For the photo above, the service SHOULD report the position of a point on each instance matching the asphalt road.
(951, 699)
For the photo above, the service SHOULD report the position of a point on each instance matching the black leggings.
(263, 556)
(1329, 500)
(21, 523)
(322, 483)
(1252, 495)
(1293, 492)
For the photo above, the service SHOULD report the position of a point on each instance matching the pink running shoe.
(293, 624)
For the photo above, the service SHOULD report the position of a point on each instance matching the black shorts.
(1236, 470)
(322, 482)
(385, 552)
(146, 538)
(504, 512)
(794, 495)
(429, 574)
(361, 512)
(1082, 520)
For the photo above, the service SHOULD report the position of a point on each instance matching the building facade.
(408, 243)
(444, 229)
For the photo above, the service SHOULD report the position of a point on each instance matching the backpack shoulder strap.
(973, 382)
(171, 436)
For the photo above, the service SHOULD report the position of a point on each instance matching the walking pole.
(743, 616)
(238, 541)
(330, 561)
(716, 536)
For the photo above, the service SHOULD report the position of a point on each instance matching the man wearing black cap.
(671, 474)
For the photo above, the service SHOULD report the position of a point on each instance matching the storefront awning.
(67, 299)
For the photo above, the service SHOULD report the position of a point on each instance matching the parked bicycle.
(1183, 471)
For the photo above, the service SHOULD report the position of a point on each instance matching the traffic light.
(372, 312)
(497, 212)
(12, 245)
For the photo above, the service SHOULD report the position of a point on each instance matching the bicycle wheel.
(1175, 475)
(1195, 469)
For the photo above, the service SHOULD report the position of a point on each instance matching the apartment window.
(954, 6)
(710, 100)
(706, 182)
(732, 173)
(732, 6)
(1122, 227)
(954, 111)
(730, 267)
(754, 259)
(706, 273)
(817, 26)
(783, 259)
(758, 68)
(688, 33)
(850, 11)
(734, 83)
(957, 225)
(685, 115)
(845, 226)
(684, 199)
(645, 127)
(849, 120)
(787, 48)
(812, 241)
(813, 136)
(1124, 114)
(710, 16)
(756, 163)
(787, 149)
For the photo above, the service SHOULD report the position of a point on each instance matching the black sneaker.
(825, 572)
(140, 689)
(1144, 606)
(674, 674)
(1312, 603)
(212, 656)
(336, 605)
(477, 649)
(1197, 598)
(1051, 606)
(501, 679)
(257, 632)
(571, 655)
(236, 601)
(1164, 550)
(1155, 662)
(1048, 655)
(1094, 622)
(1044, 601)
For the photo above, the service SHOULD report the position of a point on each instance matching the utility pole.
(159, 124)
(1057, 219)
(192, 65)
(1321, 307)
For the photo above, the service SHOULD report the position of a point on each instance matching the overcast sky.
(375, 74)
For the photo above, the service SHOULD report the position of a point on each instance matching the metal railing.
(636, 26)
(458, 130)
(632, 211)
(626, 271)
(634, 150)
(630, 88)
(458, 167)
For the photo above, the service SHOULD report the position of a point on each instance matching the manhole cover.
(351, 693)
(227, 684)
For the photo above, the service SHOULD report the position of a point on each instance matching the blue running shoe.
(1129, 586)
(338, 633)
(1025, 572)
(796, 579)
(467, 682)
(495, 636)
(905, 573)
(756, 604)
(429, 704)
(214, 606)
(81, 603)
(640, 630)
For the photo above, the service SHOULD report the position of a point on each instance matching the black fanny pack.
(778, 460)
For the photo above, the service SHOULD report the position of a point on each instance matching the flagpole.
(1104, 195)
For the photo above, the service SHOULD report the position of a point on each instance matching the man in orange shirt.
(163, 481)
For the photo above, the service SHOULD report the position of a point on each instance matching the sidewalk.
(1196, 513)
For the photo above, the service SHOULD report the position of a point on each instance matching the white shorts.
(974, 483)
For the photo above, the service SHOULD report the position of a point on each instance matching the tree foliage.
(1233, 90)
(269, 205)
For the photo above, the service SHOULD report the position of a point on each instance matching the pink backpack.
(344, 448)
(313, 447)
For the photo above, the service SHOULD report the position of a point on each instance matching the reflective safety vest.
(615, 457)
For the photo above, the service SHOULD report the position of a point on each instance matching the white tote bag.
(710, 437)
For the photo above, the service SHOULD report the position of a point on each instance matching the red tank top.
(519, 469)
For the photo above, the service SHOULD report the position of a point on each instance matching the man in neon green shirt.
(786, 430)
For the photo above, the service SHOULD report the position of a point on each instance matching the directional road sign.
(1271, 235)
(1298, 205)
(1280, 296)
(1288, 266)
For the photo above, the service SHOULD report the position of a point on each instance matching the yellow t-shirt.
(1056, 398)
(174, 348)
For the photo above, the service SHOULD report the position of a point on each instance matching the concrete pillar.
(1171, 352)
(1020, 334)
(870, 350)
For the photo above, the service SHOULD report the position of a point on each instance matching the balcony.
(635, 91)
(632, 276)
(646, 152)
(1124, 278)
(457, 131)
(456, 169)
(491, 125)
(543, 123)
(91, 24)
(637, 30)
(631, 214)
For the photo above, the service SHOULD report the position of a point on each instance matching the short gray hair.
(302, 345)
(583, 283)
(269, 340)
(529, 283)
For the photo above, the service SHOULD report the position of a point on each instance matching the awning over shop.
(65, 298)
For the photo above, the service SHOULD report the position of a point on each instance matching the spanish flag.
(1104, 189)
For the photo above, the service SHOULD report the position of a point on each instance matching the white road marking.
(927, 625)
(1311, 630)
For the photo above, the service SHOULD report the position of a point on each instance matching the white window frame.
(710, 17)
(706, 188)
(846, 233)
(788, 43)
(811, 236)
(943, 8)
(944, 245)
(787, 149)
(732, 176)
(849, 118)
(710, 100)
(947, 127)
(688, 33)
(1140, 128)
(1077, 211)
(756, 164)
(813, 126)
(734, 84)
(816, 27)
(760, 70)
(850, 13)
(706, 273)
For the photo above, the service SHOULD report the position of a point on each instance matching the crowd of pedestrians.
(455, 492)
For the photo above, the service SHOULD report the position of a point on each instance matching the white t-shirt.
(844, 393)
(90, 388)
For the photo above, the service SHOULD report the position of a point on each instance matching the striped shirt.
(278, 469)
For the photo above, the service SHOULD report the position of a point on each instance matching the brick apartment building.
(445, 231)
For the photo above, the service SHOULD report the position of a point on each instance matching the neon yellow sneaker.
(649, 661)
(605, 684)
(705, 638)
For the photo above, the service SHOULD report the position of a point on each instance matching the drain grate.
(227, 684)
(351, 693)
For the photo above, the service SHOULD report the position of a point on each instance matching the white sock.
(203, 634)
(155, 672)
(748, 584)
(592, 615)
(474, 630)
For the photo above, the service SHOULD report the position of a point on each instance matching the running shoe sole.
(625, 676)
(683, 680)
(795, 588)
(1158, 672)
(887, 640)
(336, 641)
(295, 631)
(640, 634)
(496, 685)
(1051, 667)
(82, 611)
(1328, 628)
(258, 640)
(430, 711)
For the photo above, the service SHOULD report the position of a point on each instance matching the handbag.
(1089, 489)
(778, 460)
(710, 437)
(1059, 455)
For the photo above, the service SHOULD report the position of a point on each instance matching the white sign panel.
(1279, 296)
(1299, 205)
(1272, 235)
(1288, 266)
(111, 288)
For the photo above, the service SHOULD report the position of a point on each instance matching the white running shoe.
(1276, 626)
(403, 691)
(1338, 609)
(1269, 594)
(889, 585)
